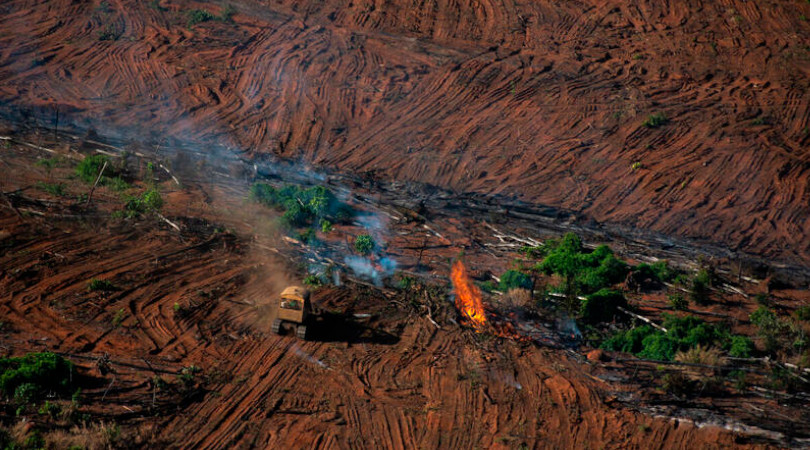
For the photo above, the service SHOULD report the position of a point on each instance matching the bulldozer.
(293, 312)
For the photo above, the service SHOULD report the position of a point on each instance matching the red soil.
(390, 381)
(540, 100)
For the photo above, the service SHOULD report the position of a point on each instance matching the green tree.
(364, 244)
(512, 279)
(565, 260)
(602, 306)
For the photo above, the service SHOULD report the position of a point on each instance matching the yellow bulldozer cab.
(294, 304)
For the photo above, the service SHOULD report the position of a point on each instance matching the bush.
(101, 285)
(629, 341)
(326, 226)
(779, 335)
(313, 281)
(513, 279)
(676, 383)
(683, 333)
(302, 207)
(50, 409)
(35, 375)
(699, 290)
(602, 306)
(55, 189)
(658, 271)
(517, 299)
(741, 347)
(488, 286)
(196, 16)
(678, 302)
(227, 13)
(152, 199)
(762, 317)
(581, 271)
(601, 269)
(803, 313)
(655, 120)
(364, 244)
(308, 236)
(149, 201)
(117, 184)
(89, 167)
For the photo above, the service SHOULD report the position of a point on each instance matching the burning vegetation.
(468, 296)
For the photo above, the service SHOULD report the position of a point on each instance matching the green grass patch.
(196, 16)
(117, 184)
(655, 120)
(56, 189)
(149, 201)
(88, 169)
(99, 285)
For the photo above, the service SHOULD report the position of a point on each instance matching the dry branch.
(100, 173)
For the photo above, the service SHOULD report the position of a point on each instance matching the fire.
(468, 297)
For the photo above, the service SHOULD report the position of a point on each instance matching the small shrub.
(109, 33)
(152, 199)
(313, 281)
(700, 355)
(655, 120)
(55, 189)
(326, 226)
(50, 163)
(99, 285)
(517, 298)
(227, 13)
(699, 290)
(119, 317)
(779, 335)
(512, 279)
(676, 383)
(678, 302)
(117, 184)
(50, 409)
(602, 306)
(364, 244)
(762, 316)
(741, 347)
(196, 16)
(629, 341)
(149, 201)
(26, 393)
(802, 313)
(739, 379)
(188, 377)
(155, 4)
(89, 168)
(488, 286)
(308, 236)
(659, 271)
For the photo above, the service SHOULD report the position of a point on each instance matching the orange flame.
(468, 297)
